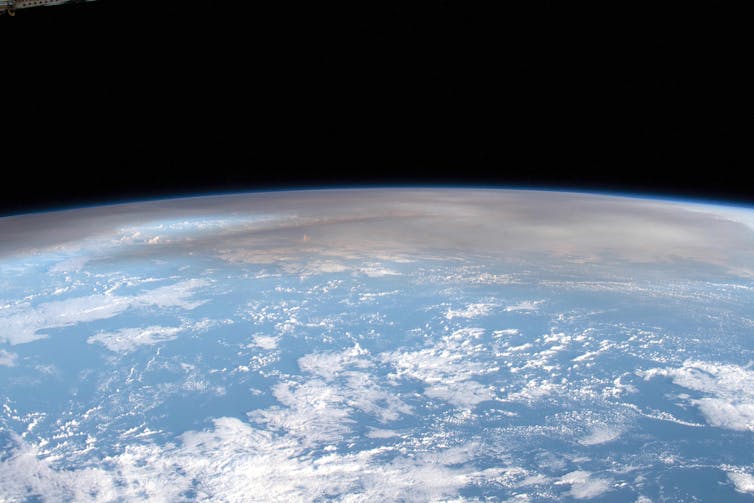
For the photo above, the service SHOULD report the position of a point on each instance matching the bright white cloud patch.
(381, 433)
(464, 394)
(324, 267)
(470, 311)
(601, 434)
(127, 340)
(356, 389)
(265, 341)
(584, 485)
(506, 332)
(7, 359)
(526, 305)
(312, 412)
(743, 482)
(328, 365)
(28, 323)
(73, 264)
(318, 410)
(729, 390)
(448, 360)
(376, 271)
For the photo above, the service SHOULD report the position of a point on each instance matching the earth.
(392, 344)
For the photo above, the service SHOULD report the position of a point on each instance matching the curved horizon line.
(628, 194)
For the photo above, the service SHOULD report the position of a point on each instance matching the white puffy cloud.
(382, 433)
(313, 412)
(449, 359)
(7, 359)
(360, 390)
(584, 485)
(265, 341)
(317, 408)
(328, 365)
(742, 481)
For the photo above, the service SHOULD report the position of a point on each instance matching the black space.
(119, 99)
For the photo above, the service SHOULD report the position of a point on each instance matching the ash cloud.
(577, 230)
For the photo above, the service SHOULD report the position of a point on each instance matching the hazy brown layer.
(575, 228)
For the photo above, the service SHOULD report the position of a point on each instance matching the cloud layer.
(291, 227)
(727, 391)
(26, 324)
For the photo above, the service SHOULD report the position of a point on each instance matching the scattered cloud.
(448, 367)
(329, 365)
(449, 359)
(319, 409)
(230, 462)
(313, 412)
(357, 389)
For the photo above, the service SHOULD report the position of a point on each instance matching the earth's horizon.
(379, 344)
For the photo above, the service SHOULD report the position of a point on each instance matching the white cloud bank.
(729, 388)
(743, 482)
(27, 325)
(234, 462)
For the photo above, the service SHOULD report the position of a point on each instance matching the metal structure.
(11, 6)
